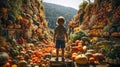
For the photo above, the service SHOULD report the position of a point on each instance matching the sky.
(68, 3)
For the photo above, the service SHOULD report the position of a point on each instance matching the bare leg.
(57, 52)
(62, 52)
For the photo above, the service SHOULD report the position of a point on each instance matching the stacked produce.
(24, 34)
(100, 22)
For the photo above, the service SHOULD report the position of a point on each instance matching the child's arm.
(66, 37)
(54, 37)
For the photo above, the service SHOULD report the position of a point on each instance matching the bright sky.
(68, 3)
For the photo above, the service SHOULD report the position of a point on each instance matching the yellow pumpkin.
(81, 59)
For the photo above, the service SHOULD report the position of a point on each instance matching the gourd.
(99, 57)
(3, 57)
(48, 55)
(22, 63)
(80, 47)
(74, 55)
(91, 59)
(81, 59)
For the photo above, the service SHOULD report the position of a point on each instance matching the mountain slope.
(53, 11)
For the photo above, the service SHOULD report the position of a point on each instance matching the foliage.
(77, 36)
(15, 7)
(114, 53)
(106, 45)
(83, 5)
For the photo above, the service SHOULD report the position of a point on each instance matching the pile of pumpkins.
(95, 32)
(77, 46)
(90, 57)
(82, 55)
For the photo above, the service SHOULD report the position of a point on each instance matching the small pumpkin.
(99, 57)
(91, 59)
(91, 51)
(48, 55)
(74, 55)
(77, 41)
(80, 47)
(74, 48)
(4, 10)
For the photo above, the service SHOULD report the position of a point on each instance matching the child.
(60, 33)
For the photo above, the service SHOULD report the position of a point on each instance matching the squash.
(77, 41)
(3, 57)
(80, 47)
(14, 65)
(99, 57)
(81, 59)
(91, 59)
(4, 10)
(88, 54)
(22, 63)
(74, 48)
(48, 55)
(74, 44)
(91, 51)
(7, 64)
(74, 55)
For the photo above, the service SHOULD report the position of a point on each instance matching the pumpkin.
(3, 57)
(7, 64)
(91, 59)
(48, 55)
(88, 54)
(99, 56)
(4, 10)
(91, 51)
(74, 48)
(80, 47)
(106, 33)
(14, 65)
(77, 41)
(74, 44)
(67, 48)
(74, 55)
(22, 63)
(81, 59)
(84, 48)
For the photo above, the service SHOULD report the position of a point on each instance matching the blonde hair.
(60, 18)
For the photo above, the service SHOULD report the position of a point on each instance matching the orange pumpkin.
(7, 64)
(74, 55)
(74, 48)
(4, 10)
(91, 59)
(77, 41)
(80, 47)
